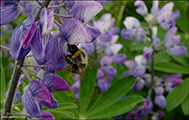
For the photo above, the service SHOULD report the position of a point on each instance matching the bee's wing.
(93, 64)
(82, 77)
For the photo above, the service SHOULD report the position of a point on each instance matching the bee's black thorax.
(73, 49)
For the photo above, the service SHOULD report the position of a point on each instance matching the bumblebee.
(79, 61)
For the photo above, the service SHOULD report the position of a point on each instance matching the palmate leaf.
(118, 108)
(117, 90)
(64, 106)
(183, 60)
(87, 89)
(63, 114)
(185, 106)
(171, 68)
(178, 95)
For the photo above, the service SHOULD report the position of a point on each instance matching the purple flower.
(9, 10)
(172, 41)
(74, 30)
(160, 100)
(148, 105)
(106, 61)
(133, 30)
(47, 115)
(110, 71)
(137, 67)
(42, 47)
(104, 84)
(158, 115)
(87, 47)
(137, 114)
(113, 49)
(86, 10)
(55, 83)
(46, 21)
(142, 9)
(159, 90)
(119, 58)
(100, 74)
(22, 37)
(17, 96)
(172, 81)
(167, 18)
(37, 91)
(139, 84)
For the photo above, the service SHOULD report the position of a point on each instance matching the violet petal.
(42, 47)
(30, 104)
(55, 83)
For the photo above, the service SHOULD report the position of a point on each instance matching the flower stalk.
(152, 62)
(16, 74)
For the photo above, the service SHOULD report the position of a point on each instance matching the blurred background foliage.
(70, 107)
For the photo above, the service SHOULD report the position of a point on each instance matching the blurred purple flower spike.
(159, 90)
(160, 100)
(158, 115)
(148, 105)
(119, 58)
(87, 47)
(167, 18)
(106, 61)
(100, 74)
(110, 71)
(103, 84)
(172, 41)
(113, 49)
(106, 37)
(139, 84)
(142, 9)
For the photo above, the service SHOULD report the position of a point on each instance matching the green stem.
(120, 15)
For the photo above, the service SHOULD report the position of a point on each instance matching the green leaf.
(64, 106)
(64, 114)
(178, 95)
(183, 60)
(3, 81)
(171, 68)
(182, 22)
(161, 56)
(138, 47)
(185, 106)
(118, 108)
(112, 94)
(86, 91)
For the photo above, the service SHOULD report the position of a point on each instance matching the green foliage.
(111, 95)
(178, 95)
(118, 108)
(185, 106)
(171, 68)
(86, 91)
